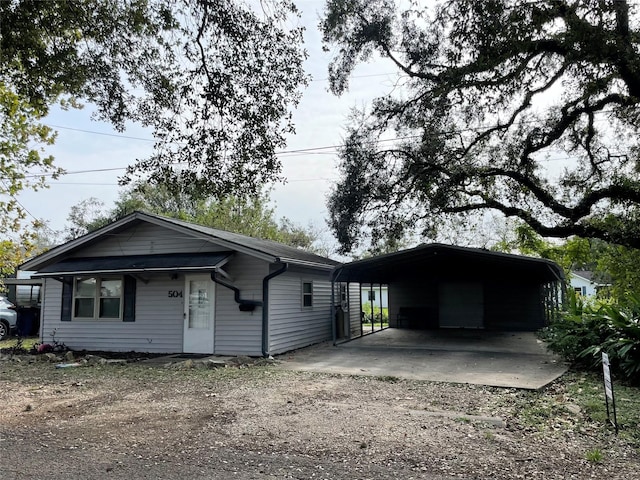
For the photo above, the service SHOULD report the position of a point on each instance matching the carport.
(437, 286)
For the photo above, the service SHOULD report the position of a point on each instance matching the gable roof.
(588, 276)
(264, 249)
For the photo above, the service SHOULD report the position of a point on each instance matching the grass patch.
(542, 411)
(588, 392)
(577, 402)
(27, 343)
(595, 455)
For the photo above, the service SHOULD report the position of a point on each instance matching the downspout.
(245, 305)
(265, 307)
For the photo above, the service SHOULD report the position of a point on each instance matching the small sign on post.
(608, 392)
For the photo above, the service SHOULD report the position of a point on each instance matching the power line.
(94, 184)
(21, 205)
(359, 76)
(94, 132)
(321, 150)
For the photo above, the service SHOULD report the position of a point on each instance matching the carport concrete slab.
(500, 359)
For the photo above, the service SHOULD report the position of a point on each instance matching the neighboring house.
(153, 284)
(582, 282)
(376, 295)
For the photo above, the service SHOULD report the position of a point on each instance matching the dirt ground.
(136, 421)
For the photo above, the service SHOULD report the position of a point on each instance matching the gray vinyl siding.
(291, 325)
(51, 308)
(236, 332)
(157, 327)
(147, 239)
(355, 318)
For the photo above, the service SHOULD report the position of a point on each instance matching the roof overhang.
(132, 264)
(447, 263)
(21, 281)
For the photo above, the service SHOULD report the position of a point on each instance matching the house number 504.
(175, 293)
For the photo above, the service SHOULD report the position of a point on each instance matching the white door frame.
(199, 339)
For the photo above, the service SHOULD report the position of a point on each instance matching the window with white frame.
(97, 298)
(307, 294)
(372, 296)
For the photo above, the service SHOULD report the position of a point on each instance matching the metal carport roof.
(447, 261)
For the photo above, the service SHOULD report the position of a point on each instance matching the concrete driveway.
(501, 359)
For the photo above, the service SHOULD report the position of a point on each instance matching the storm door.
(198, 314)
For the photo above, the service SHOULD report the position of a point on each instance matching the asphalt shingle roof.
(268, 247)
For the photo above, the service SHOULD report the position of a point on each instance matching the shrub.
(379, 316)
(588, 328)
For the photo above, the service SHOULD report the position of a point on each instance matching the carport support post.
(373, 311)
(380, 300)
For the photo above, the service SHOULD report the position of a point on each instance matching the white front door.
(198, 314)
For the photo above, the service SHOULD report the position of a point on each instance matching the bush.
(588, 328)
(378, 315)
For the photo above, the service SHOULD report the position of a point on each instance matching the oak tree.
(531, 109)
(215, 81)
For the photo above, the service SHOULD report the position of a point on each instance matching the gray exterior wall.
(157, 328)
(291, 325)
(159, 318)
(236, 332)
(413, 295)
(513, 307)
(147, 239)
(355, 319)
(507, 306)
(159, 321)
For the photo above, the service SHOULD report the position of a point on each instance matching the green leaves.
(22, 161)
(588, 328)
(488, 95)
(249, 215)
(215, 81)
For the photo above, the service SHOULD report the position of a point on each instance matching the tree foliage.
(215, 81)
(250, 215)
(588, 328)
(490, 96)
(614, 265)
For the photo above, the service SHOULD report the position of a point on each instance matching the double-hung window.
(97, 298)
(307, 294)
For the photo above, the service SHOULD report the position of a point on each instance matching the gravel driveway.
(258, 422)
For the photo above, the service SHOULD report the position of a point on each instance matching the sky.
(320, 118)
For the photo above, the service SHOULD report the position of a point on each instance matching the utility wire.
(321, 150)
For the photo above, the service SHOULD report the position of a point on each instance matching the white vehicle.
(8, 318)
